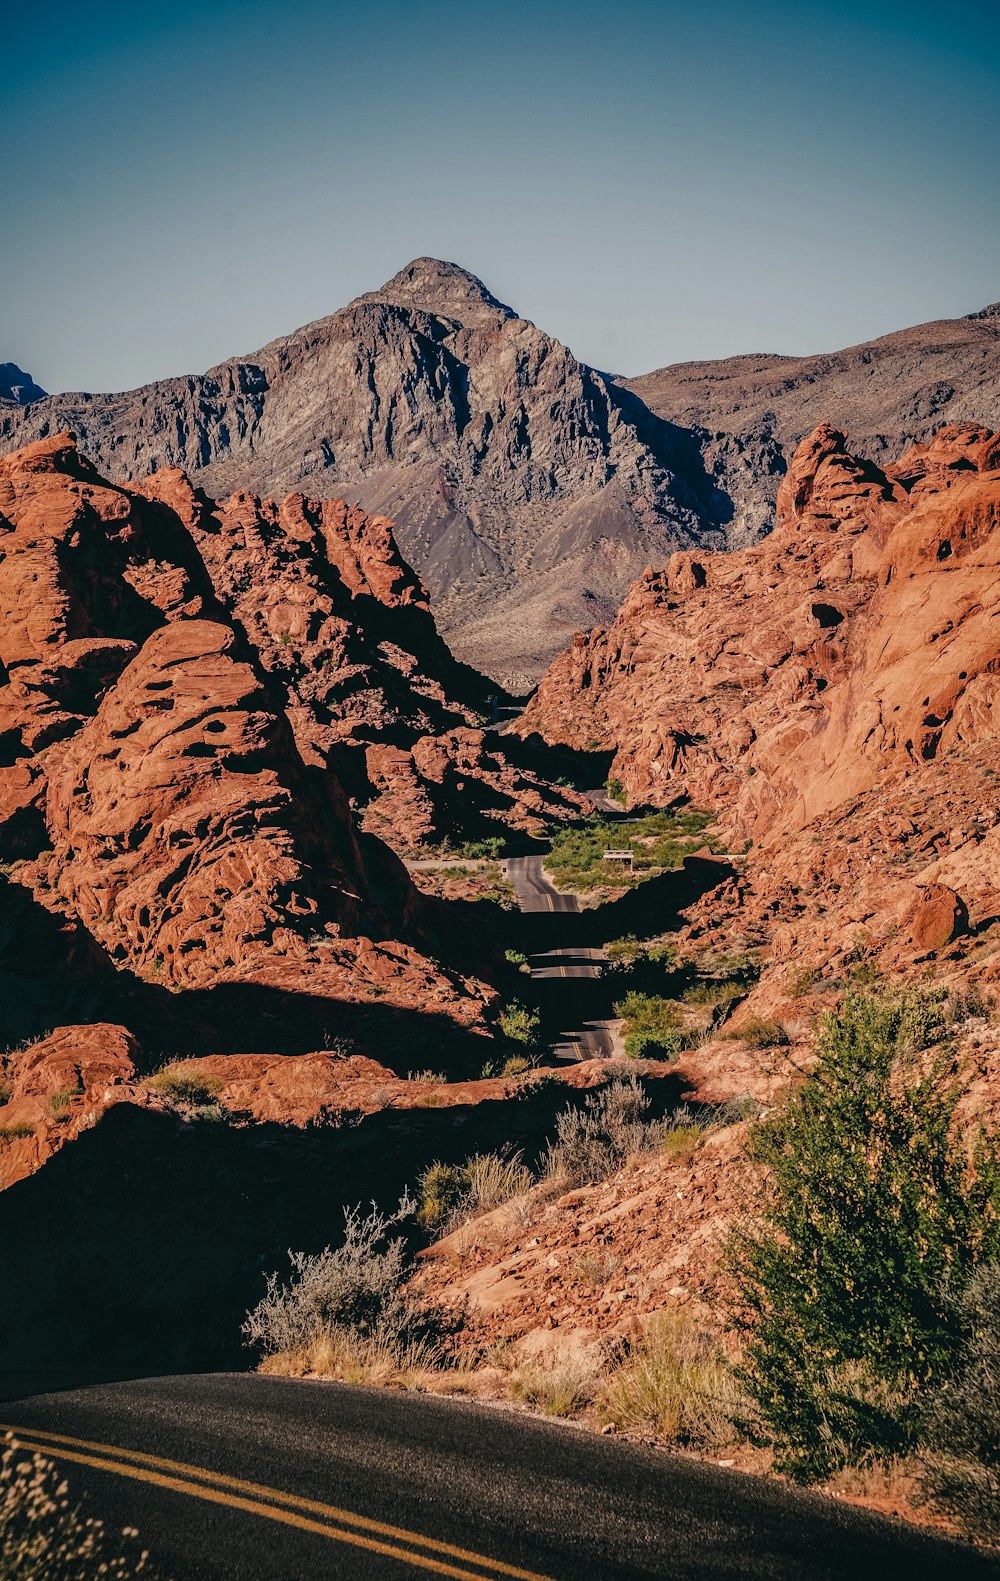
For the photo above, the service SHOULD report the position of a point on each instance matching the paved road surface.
(582, 1037)
(241, 1478)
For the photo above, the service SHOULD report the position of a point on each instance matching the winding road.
(234, 1477)
(581, 1037)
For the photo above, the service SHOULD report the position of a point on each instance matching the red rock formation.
(152, 781)
(833, 694)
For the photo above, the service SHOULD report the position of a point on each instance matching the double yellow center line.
(288, 1509)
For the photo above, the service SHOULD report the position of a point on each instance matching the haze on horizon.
(648, 182)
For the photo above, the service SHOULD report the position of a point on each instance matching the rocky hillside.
(167, 789)
(831, 692)
(749, 413)
(526, 488)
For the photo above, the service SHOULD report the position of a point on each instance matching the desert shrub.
(676, 1382)
(517, 1065)
(43, 1537)
(652, 1026)
(612, 1126)
(759, 1034)
(872, 1207)
(615, 789)
(625, 951)
(449, 1194)
(558, 1384)
(349, 1302)
(520, 1025)
(962, 1424)
(517, 958)
(189, 1087)
(483, 850)
(427, 1078)
(715, 991)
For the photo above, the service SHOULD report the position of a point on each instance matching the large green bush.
(875, 1205)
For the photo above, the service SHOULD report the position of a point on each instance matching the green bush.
(451, 1193)
(615, 789)
(873, 1205)
(962, 1424)
(652, 1026)
(520, 1025)
(193, 1087)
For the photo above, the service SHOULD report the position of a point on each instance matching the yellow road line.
(259, 1499)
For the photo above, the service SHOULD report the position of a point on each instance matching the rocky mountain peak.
(436, 286)
(18, 386)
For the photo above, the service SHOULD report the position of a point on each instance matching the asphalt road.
(580, 1038)
(233, 1477)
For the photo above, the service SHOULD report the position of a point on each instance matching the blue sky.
(650, 182)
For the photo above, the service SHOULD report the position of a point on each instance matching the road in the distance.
(581, 1037)
(235, 1477)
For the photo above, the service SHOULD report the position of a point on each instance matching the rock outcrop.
(154, 791)
(17, 386)
(831, 694)
(749, 413)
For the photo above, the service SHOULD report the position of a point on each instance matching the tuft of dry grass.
(676, 1383)
(559, 1382)
(43, 1537)
(357, 1358)
(185, 1086)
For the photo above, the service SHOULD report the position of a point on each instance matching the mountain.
(527, 489)
(749, 413)
(17, 386)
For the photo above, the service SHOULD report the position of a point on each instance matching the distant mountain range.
(527, 489)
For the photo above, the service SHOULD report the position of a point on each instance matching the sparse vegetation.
(14, 1132)
(676, 1382)
(449, 1194)
(185, 1087)
(559, 1384)
(612, 1126)
(875, 1207)
(521, 1025)
(347, 1311)
(652, 1026)
(760, 1034)
(658, 841)
(45, 1537)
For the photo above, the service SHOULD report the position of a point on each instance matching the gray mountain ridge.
(528, 489)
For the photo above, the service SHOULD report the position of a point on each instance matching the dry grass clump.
(559, 1382)
(676, 1383)
(451, 1194)
(184, 1086)
(347, 1313)
(43, 1537)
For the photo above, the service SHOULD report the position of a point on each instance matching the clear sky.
(652, 182)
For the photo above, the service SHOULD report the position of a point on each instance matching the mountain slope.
(527, 489)
(503, 461)
(750, 412)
